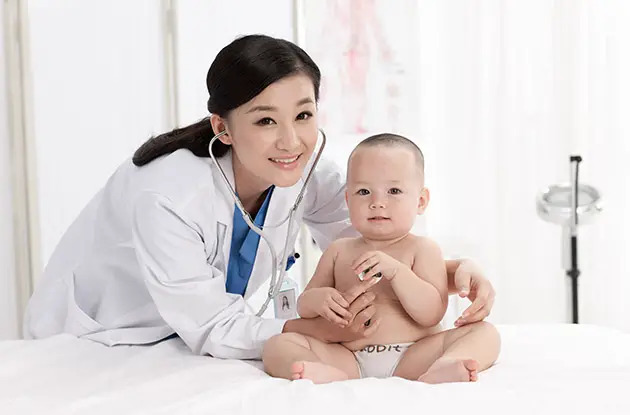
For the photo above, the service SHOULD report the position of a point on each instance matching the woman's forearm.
(309, 327)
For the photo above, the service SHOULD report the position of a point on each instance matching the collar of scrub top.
(250, 245)
(243, 248)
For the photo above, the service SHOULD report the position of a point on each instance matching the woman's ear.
(423, 200)
(220, 124)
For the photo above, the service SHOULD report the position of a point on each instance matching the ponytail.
(195, 137)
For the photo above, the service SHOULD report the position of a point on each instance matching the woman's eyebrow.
(303, 101)
(261, 108)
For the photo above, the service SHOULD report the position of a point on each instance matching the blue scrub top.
(243, 248)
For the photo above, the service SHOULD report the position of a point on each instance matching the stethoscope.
(276, 281)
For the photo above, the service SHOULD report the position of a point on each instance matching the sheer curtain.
(506, 91)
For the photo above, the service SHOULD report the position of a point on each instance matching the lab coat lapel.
(224, 204)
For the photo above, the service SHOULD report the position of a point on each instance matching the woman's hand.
(326, 302)
(362, 309)
(362, 322)
(470, 282)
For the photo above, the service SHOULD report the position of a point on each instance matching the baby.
(385, 192)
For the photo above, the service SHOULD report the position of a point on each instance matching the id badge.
(285, 303)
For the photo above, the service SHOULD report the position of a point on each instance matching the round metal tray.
(554, 204)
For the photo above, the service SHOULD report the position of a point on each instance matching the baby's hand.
(328, 303)
(374, 263)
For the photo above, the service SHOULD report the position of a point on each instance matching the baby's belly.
(395, 326)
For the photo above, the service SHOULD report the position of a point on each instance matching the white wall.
(8, 305)
(98, 94)
(204, 28)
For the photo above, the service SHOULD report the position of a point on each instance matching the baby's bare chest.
(345, 277)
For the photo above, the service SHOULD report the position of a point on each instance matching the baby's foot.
(451, 370)
(317, 372)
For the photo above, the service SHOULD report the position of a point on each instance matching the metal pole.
(574, 271)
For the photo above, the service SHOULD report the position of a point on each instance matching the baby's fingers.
(340, 300)
(362, 258)
(366, 265)
(473, 318)
(340, 310)
(334, 318)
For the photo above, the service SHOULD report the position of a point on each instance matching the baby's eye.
(395, 191)
(363, 192)
(305, 115)
(265, 121)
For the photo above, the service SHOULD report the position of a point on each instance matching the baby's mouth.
(378, 218)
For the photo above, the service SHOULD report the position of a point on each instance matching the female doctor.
(162, 250)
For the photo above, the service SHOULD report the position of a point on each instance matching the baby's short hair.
(393, 140)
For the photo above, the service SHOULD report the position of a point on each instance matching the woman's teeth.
(285, 161)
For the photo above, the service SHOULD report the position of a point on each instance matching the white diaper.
(380, 360)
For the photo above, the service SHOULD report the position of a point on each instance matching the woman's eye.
(363, 192)
(395, 191)
(304, 115)
(265, 121)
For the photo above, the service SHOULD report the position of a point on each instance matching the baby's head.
(385, 186)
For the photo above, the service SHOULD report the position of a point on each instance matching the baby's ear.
(423, 200)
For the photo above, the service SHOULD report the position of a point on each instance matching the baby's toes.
(297, 370)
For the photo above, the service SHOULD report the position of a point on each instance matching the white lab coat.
(147, 258)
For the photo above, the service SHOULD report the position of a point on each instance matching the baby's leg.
(295, 356)
(455, 355)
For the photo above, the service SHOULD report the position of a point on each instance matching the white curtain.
(506, 91)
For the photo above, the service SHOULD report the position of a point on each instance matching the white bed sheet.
(552, 369)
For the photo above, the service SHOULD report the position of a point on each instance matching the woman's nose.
(288, 140)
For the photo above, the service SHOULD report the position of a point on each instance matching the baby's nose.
(377, 204)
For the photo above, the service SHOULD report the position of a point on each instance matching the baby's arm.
(423, 289)
(323, 277)
(320, 298)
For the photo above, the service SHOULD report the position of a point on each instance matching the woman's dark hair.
(241, 70)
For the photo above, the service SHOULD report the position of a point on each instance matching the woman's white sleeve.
(326, 212)
(190, 293)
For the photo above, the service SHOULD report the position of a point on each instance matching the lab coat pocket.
(77, 321)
